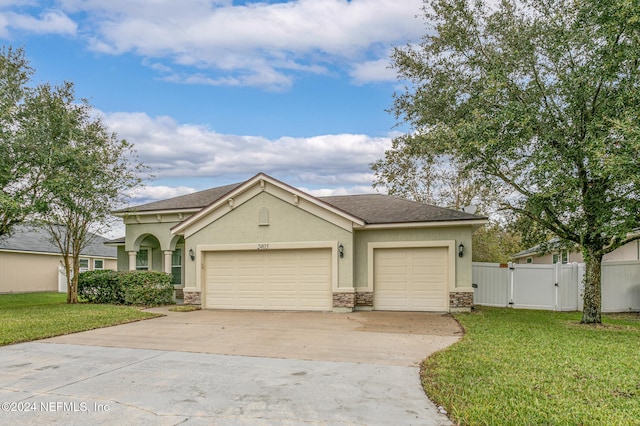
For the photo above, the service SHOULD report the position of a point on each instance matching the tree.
(443, 181)
(542, 98)
(93, 170)
(427, 178)
(23, 167)
(495, 242)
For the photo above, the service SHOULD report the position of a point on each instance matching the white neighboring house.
(29, 261)
(534, 255)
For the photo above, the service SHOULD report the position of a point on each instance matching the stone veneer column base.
(191, 297)
(364, 299)
(344, 302)
(460, 301)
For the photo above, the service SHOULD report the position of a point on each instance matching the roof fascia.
(155, 212)
(50, 253)
(475, 223)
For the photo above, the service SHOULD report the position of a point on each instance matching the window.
(176, 266)
(529, 259)
(563, 257)
(98, 264)
(84, 265)
(142, 260)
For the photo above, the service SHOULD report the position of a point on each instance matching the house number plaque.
(263, 246)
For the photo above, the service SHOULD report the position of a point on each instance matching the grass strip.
(32, 316)
(516, 367)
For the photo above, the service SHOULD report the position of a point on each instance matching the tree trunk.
(72, 296)
(592, 288)
(72, 293)
(72, 269)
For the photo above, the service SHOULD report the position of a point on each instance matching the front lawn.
(33, 316)
(518, 367)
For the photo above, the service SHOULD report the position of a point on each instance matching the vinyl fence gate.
(555, 287)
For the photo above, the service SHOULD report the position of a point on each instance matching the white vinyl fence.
(62, 280)
(555, 287)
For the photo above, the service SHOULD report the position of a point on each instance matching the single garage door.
(269, 279)
(410, 279)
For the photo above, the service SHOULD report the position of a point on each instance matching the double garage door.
(410, 279)
(269, 279)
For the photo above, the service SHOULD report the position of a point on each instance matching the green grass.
(524, 367)
(184, 308)
(33, 316)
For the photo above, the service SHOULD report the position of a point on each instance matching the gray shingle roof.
(371, 208)
(28, 237)
(380, 208)
(196, 200)
(552, 245)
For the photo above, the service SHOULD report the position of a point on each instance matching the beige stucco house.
(29, 260)
(537, 255)
(262, 244)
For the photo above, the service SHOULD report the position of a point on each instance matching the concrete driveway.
(228, 368)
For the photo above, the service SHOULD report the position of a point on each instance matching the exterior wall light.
(341, 251)
(192, 255)
(460, 250)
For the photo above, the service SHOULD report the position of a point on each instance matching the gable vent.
(263, 216)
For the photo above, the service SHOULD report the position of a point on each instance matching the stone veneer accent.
(191, 297)
(344, 300)
(364, 298)
(462, 300)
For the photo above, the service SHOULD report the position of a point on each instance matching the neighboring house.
(540, 255)
(29, 260)
(262, 244)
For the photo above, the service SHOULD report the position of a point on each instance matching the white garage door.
(410, 279)
(269, 279)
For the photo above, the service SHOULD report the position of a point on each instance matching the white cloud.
(256, 44)
(327, 192)
(50, 22)
(373, 71)
(187, 151)
(150, 193)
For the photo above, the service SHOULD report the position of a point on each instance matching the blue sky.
(212, 92)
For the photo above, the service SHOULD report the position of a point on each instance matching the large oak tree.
(542, 98)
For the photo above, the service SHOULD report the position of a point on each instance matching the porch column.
(167, 261)
(132, 260)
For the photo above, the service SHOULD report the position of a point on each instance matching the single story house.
(29, 260)
(547, 254)
(262, 244)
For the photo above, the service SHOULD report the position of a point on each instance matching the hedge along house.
(262, 244)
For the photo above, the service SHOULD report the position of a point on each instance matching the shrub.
(147, 288)
(100, 287)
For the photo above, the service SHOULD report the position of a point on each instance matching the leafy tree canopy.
(59, 164)
(542, 99)
(23, 166)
